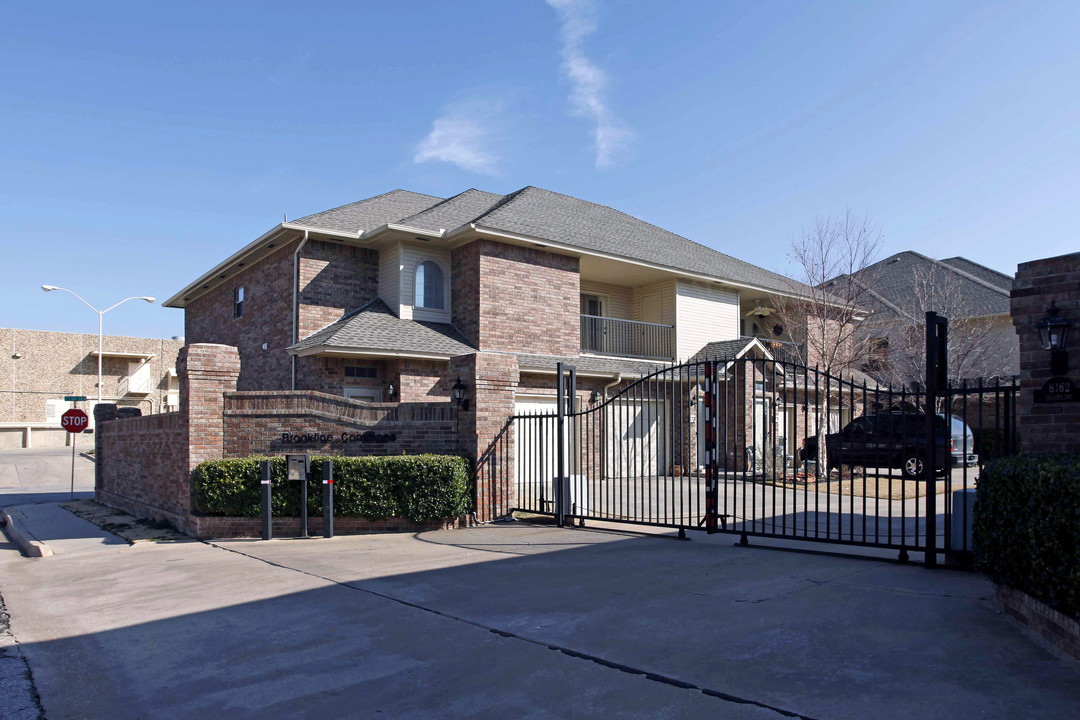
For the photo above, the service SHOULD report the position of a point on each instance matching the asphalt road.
(517, 621)
(43, 475)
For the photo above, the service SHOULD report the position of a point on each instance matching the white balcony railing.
(626, 338)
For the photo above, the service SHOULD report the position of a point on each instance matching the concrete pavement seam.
(26, 686)
(654, 677)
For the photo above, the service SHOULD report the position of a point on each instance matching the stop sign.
(74, 421)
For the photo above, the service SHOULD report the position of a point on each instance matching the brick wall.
(423, 381)
(267, 319)
(485, 433)
(255, 422)
(327, 374)
(142, 464)
(334, 279)
(1049, 426)
(516, 299)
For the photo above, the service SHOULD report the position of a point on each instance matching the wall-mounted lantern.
(460, 394)
(391, 391)
(1053, 333)
(593, 397)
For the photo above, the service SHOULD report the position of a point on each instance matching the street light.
(101, 314)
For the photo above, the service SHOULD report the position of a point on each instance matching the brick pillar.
(206, 372)
(103, 412)
(486, 434)
(1046, 426)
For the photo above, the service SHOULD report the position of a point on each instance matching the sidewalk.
(46, 529)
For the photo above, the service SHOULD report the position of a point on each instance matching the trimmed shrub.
(1027, 527)
(414, 487)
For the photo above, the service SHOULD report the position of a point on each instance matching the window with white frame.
(429, 287)
(238, 302)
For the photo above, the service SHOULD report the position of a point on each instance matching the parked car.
(963, 444)
(890, 439)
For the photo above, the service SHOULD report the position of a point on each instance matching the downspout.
(296, 302)
(613, 383)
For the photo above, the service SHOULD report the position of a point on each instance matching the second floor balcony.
(627, 338)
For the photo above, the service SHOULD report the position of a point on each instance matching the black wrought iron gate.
(759, 446)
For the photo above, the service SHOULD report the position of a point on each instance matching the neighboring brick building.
(42, 367)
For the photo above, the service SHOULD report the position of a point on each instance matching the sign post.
(74, 421)
(328, 498)
(267, 509)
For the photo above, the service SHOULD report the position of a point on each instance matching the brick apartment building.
(42, 367)
(351, 329)
(371, 300)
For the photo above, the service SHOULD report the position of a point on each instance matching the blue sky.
(142, 143)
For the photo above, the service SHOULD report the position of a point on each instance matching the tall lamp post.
(101, 315)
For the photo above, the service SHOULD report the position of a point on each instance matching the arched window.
(428, 289)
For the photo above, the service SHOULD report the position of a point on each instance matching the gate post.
(937, 366)
(712, 499)
(560, 445)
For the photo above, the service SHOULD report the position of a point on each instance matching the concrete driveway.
(43, 475)
(517, 621)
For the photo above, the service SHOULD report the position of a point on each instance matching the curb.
(88, 456)
(30, 548)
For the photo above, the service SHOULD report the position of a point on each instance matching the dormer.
(414, 280)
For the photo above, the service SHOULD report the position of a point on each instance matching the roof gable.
(579, 223)
(370, 213)
(375, 327)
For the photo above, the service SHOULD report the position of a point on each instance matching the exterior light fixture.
(460, 394)
(391, 391)
(1053, 333)
(593, 397)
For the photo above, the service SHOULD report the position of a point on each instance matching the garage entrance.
(763, 447)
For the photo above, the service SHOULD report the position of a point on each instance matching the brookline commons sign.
(312, 438)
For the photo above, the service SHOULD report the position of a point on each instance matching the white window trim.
(446, 285)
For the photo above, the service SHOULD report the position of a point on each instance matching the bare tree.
(822, 313)
(978, 343)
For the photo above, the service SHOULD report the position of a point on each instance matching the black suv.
(891, 439)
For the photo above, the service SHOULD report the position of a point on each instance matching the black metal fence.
(764, 447)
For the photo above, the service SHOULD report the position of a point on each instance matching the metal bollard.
(267, 512)
(328, 498)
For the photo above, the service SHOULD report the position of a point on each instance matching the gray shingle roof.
(376, 327)
(626, 366)
(555, 217)
(564, 219)
(720, 350)
(371, 213)
(455, 212)
(982, 272)
(893, 282)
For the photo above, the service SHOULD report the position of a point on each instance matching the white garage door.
(637, 433)
(536, 456)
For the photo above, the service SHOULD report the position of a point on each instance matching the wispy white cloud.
(587, 96)
(461, 138)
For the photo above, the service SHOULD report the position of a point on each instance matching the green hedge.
(415, 487)
(1027, 527)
